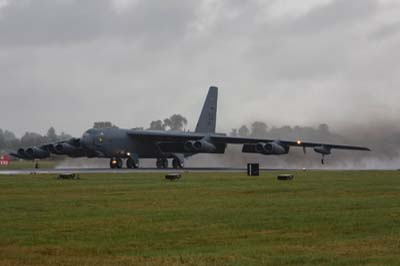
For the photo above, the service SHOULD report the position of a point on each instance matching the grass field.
(320, 218)
(17, 165)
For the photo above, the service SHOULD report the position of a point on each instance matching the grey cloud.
(29, 23)
(338, 13)
(386, 31)
(62, 22)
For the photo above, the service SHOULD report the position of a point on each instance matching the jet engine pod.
(23, 155)
(66, 149)
(52, 148)
(259, 147)
(189, 145)
(324, 150)
(199, 146)
(275, 148)
(37, 153)
(204, 146)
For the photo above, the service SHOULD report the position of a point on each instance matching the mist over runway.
(155, 170)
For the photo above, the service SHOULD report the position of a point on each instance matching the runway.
(124, 171)
(170, 170)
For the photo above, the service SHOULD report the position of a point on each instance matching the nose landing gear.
(116, 163)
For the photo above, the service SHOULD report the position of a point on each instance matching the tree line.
(260, 129)
(8, 140)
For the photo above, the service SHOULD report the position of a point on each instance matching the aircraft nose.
(86, 141)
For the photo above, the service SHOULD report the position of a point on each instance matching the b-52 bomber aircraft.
(132, 145)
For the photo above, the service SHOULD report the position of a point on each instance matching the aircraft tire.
(119, 163)
(176, 164)
(159, 163)
(113, 164)
(165, 163)
(129, 163)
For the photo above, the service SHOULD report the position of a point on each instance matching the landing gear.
(323, 160)
(131, 163)
(158, 164)
(177, 164)
(162, 163)
(119, 163)
(116, 163)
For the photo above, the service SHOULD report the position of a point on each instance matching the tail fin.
(208, 117)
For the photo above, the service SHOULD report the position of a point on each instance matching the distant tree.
(2, 141)
(8, 140)
(32, 139)
(51, 135)
(9, 136)
(259, 129)
(64, 136)
(234, 132)
(157, 125)
(175, 122)
(244, 131)
(285, 132)
(103, 124)
(324, 129)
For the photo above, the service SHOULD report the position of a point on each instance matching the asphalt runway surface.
(127, 171)
(124, 171)
(155, 170)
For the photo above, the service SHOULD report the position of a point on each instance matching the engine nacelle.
(275, 148)
(259, 147)
(67, 149)
(37, 153)
(200, 146)
(324, 150)
(23, 155)
(189, 146)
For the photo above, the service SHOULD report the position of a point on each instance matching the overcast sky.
(68, 63)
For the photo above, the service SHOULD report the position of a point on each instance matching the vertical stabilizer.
(208, 117)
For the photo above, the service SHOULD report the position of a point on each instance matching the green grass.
(18, 165)
(320, 218)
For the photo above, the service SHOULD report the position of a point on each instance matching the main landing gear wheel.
(176, 164)
(119, 163)
(162, 163)
(130, 163)
(158, 164)
(116, 163)
(113, 164)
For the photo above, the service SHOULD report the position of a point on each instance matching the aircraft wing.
(164, 135)
(297, 143)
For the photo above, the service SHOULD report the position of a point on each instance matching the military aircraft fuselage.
(115, 142)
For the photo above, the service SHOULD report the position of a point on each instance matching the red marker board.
(4, 160)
